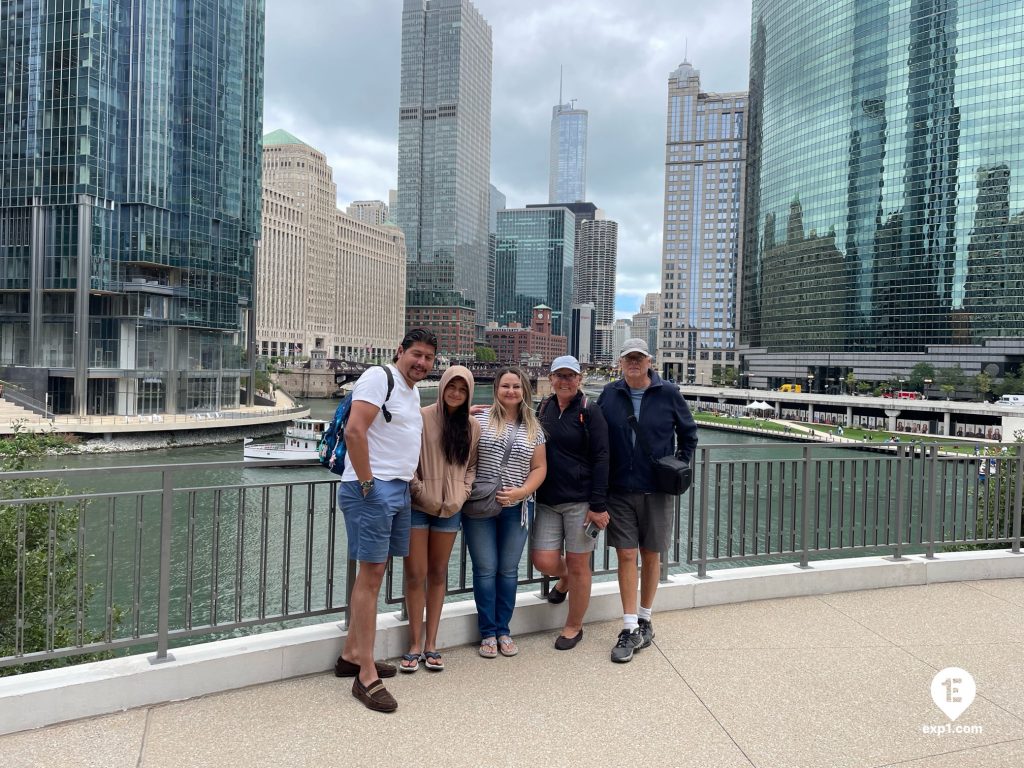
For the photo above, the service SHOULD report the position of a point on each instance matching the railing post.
(900, 455)
(805, 508)
(1018, 499)
(702, 524)
(932, 453)
(164, 604)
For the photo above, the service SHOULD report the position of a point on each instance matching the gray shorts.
(641, 520)
(553, 525)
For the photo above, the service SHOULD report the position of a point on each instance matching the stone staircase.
(10, 413)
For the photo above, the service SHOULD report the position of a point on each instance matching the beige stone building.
(327, 284)
(370, 211)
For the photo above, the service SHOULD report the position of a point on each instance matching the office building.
(444, 151)
(705, 158)
(883, 210)
(622, 329)
(646, 322)
(329, 285)
(583, 332)
(534, 346)
(129, 202)
(369, 211)
(534, 265)
(497, 203)
(567, 172)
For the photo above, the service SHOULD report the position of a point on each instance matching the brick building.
(515, 344)
(453, 324)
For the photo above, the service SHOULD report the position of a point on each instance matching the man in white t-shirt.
(382, 437)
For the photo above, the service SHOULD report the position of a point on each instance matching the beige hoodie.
(438, 488)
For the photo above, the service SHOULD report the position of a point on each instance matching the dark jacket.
(576, 472)
(665, 421)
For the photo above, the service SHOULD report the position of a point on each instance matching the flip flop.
(432, 661)
(507, 646)
(489, 648)
(414, 657)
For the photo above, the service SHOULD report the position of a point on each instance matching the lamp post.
(927, 383)
(810, 381)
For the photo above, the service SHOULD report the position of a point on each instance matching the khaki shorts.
(641, 520)
(561, 523)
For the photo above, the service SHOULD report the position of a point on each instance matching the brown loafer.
(375, 696)
(345, 668)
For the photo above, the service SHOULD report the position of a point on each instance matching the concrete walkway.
(837, 681)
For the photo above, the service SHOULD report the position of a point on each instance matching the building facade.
(369, 211)
(537, 345)
(622, 329)
(444, 149)
(705, 157)
(454, 325)
(583, 332)
(647, 322)
(885, 197)
(328, 284)
(534, 265)
(129, 202)
(567, 172)
(596, 264)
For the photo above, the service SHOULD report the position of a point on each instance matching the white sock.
(644, 613)
(629, 621)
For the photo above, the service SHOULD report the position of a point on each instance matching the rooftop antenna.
(560, 68)
(686, 51)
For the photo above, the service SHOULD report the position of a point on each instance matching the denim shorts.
(553, 525)
(377, 524)
(435, 523)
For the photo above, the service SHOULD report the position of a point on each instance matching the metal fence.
(106, 570)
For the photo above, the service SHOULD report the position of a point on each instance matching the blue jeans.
(496, 546)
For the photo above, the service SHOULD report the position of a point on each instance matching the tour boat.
(300, 441)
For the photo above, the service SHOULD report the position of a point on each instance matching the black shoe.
(564, 643)
(557, 596)
(646, 632)
(629, 641)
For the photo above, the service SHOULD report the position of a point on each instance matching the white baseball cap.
(565, 361)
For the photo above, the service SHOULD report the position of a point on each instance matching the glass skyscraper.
(567, 175)
(534, 265)
(444, 151)
(884, 217)
(129, 201)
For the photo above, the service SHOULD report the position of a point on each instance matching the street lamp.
(810, 381)
(927, 383)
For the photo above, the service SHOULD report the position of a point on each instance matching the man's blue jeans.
(496, 547)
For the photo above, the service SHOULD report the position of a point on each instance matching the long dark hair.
(455, 434)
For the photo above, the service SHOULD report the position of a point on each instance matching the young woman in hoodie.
(439, 488)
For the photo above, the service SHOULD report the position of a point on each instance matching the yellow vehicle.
(790, 388)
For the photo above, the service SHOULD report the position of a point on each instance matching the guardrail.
(100, 570)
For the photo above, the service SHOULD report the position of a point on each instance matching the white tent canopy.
(759, 405)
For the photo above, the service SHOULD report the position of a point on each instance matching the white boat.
(300, 441)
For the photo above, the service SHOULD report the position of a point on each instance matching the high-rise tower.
(567, 175)
(444, 153)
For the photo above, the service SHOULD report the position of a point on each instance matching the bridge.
(346, 371)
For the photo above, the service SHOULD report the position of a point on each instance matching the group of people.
(559, 473)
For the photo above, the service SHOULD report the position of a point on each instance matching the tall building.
(369, 211)
(567, 173)
(318, 269)
(622, 329)
(129, 202)
(647, 321)
(884, 201)
(444, 150)
(582, 332)
(534, 265)
(705, 155)
(497, 203)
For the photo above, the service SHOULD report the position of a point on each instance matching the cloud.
(333, 71)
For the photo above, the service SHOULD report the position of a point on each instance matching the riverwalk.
(840, 680)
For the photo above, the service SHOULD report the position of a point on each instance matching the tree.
(1011, 384)
(851, 382)
(42, 572)
(486, 355)
(983, 383)
(950, 379)
(919, 373)
(863, 386)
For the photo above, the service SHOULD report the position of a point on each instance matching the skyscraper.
(567, 175)
(596, 262)
(883, 206)
(704, 176)
(129, 201)
(370, 211)
(444, 151)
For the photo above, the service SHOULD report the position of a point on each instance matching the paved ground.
(838, 681)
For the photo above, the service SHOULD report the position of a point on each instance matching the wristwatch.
(366, 486)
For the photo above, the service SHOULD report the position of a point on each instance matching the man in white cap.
(641, 516)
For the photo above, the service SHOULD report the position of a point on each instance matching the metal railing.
(100, 570)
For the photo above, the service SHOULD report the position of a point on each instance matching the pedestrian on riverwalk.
(641, 516)
(382, 437)
(441, 485)
(511, 449)
(572, 501)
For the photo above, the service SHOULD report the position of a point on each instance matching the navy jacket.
(576, 472)
(665, 421)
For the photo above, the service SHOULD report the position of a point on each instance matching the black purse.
(482, 502)
(671, 475)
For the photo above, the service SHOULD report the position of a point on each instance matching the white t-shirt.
(394, 447)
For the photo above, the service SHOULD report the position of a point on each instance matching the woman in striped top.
(496, 543)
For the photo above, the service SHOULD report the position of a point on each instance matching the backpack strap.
(391, 386)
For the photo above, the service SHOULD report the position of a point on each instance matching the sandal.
(374, 696)
(414, 658)
(432, 660)
(507, 646)
(489, 648)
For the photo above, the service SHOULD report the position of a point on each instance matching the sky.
(332, 77)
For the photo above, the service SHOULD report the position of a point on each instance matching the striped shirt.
(492, 449)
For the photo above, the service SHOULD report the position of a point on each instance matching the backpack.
(584, 419)
(331, 448)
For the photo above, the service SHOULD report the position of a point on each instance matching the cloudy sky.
(332, 79)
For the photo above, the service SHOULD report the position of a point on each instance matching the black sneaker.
(646, 632)
(629, 641)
